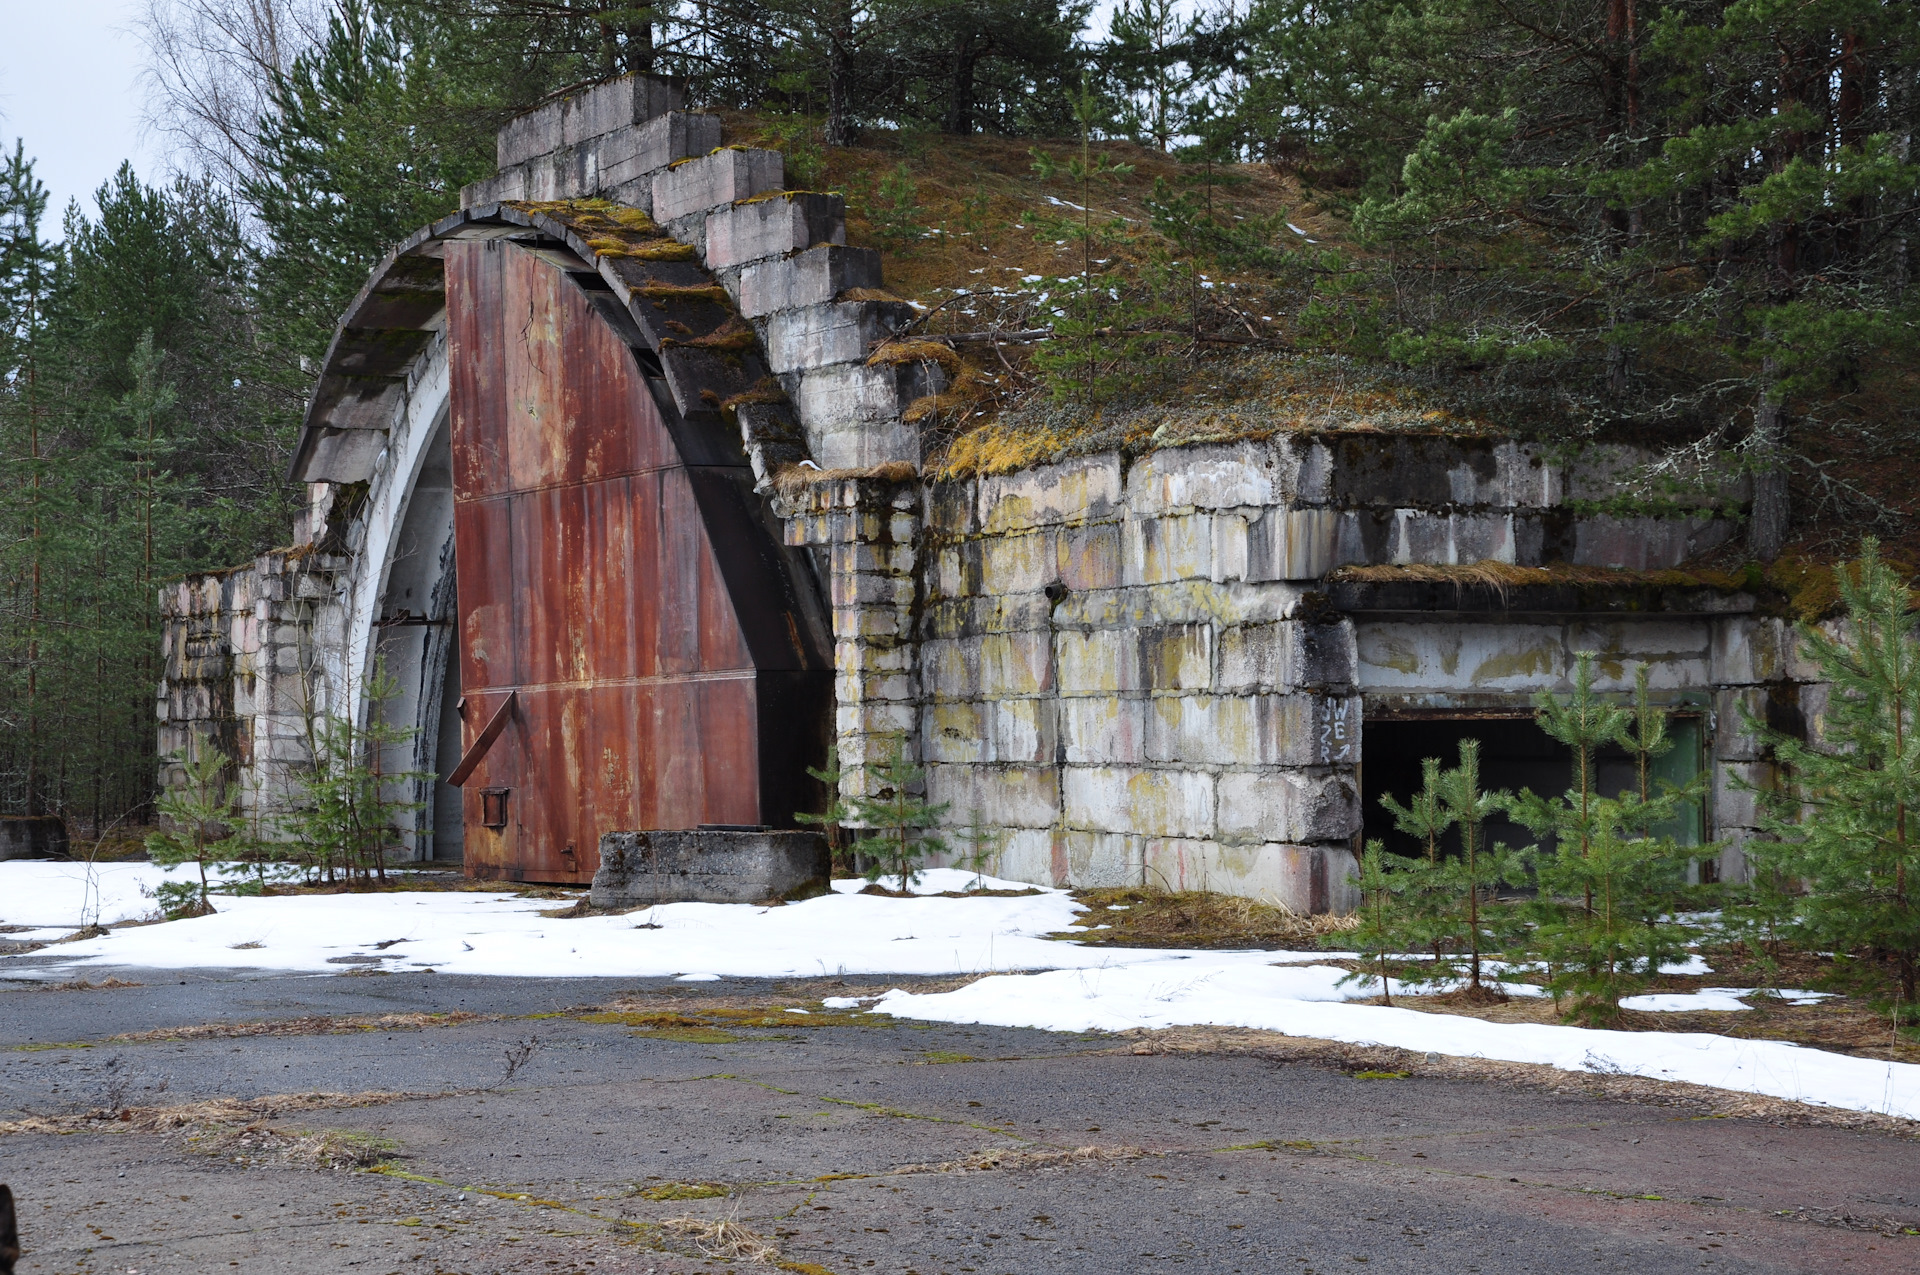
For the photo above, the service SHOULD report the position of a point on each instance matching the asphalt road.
(861, 1148)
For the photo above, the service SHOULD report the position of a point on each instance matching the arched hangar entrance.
(622, 641)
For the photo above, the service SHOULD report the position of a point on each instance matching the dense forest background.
(1692, 221)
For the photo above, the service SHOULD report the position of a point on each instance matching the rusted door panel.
(605, 582)
(481, 530)
(476, 383)
(490, 852)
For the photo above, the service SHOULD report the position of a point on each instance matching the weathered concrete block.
(1255, 730)
(1307, 879)
(1016, 563)
(865, 444)
(816, 276)
(1174, 547)
(773, 227)
(1004, 796)
(1159, 803)
(1097, 661)
(618, 104)
(1229, 553)
(1086, 489)
(1503, 657)
(955, 732)
(1646, 544)
(708, 866)
(1202, 729)
(715, 180)
(1015, 664)
(839, 332)
(950, 669)
(1175, 657)
(1733, 738)
(523, 137)
(508, 184)
(634, 154)
(1675, 652)
(1182, 479)
(1024, 731)
(832, 398)
(1286, 654)
(1747, 649)
(1735, 804)
(1027, 854)
(1104, 730)
(621, 103)
(1103, 860)
(1088, 557)
(1287, 805)
(33, 837)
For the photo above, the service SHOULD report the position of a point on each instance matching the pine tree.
(1603, 918)
(1842, 824)
(897, 821)
(1426, 898)
(347, 818)
(1383, 879)
(1477, 923)
(200, 810)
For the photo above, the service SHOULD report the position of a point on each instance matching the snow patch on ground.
(1720, 998)
(1233, 992)
(1070, 988)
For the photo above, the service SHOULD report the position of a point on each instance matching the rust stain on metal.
(666, 672)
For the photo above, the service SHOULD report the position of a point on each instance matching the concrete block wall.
(241, 651)
(1127, 669)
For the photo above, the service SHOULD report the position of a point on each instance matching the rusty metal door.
(617, 594)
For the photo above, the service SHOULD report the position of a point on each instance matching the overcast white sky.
(69, 86)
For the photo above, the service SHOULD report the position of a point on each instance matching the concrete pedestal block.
(33, 837)
(708, 866)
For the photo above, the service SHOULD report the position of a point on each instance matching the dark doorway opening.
(449, 831)
(1514, 754)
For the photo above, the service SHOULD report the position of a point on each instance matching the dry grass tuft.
(1140, 917)
(724, 1241)
(1498, 577)
(794, 477)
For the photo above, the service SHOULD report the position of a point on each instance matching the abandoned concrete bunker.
(604, 478)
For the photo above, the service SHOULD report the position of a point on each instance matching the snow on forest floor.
(1029, 980)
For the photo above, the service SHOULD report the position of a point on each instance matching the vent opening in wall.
(493, 807)
(1514, 754)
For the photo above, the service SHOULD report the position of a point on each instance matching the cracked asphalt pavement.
(619, 1146)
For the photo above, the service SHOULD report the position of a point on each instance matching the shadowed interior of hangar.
(1515, 754)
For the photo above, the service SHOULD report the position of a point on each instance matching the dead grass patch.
(331, 1149)
(212, 1112)
(1700, 1100)
(1008, 1158)
(311, 1025)
(1139, 917)
(690, 1010)
(82, 985)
